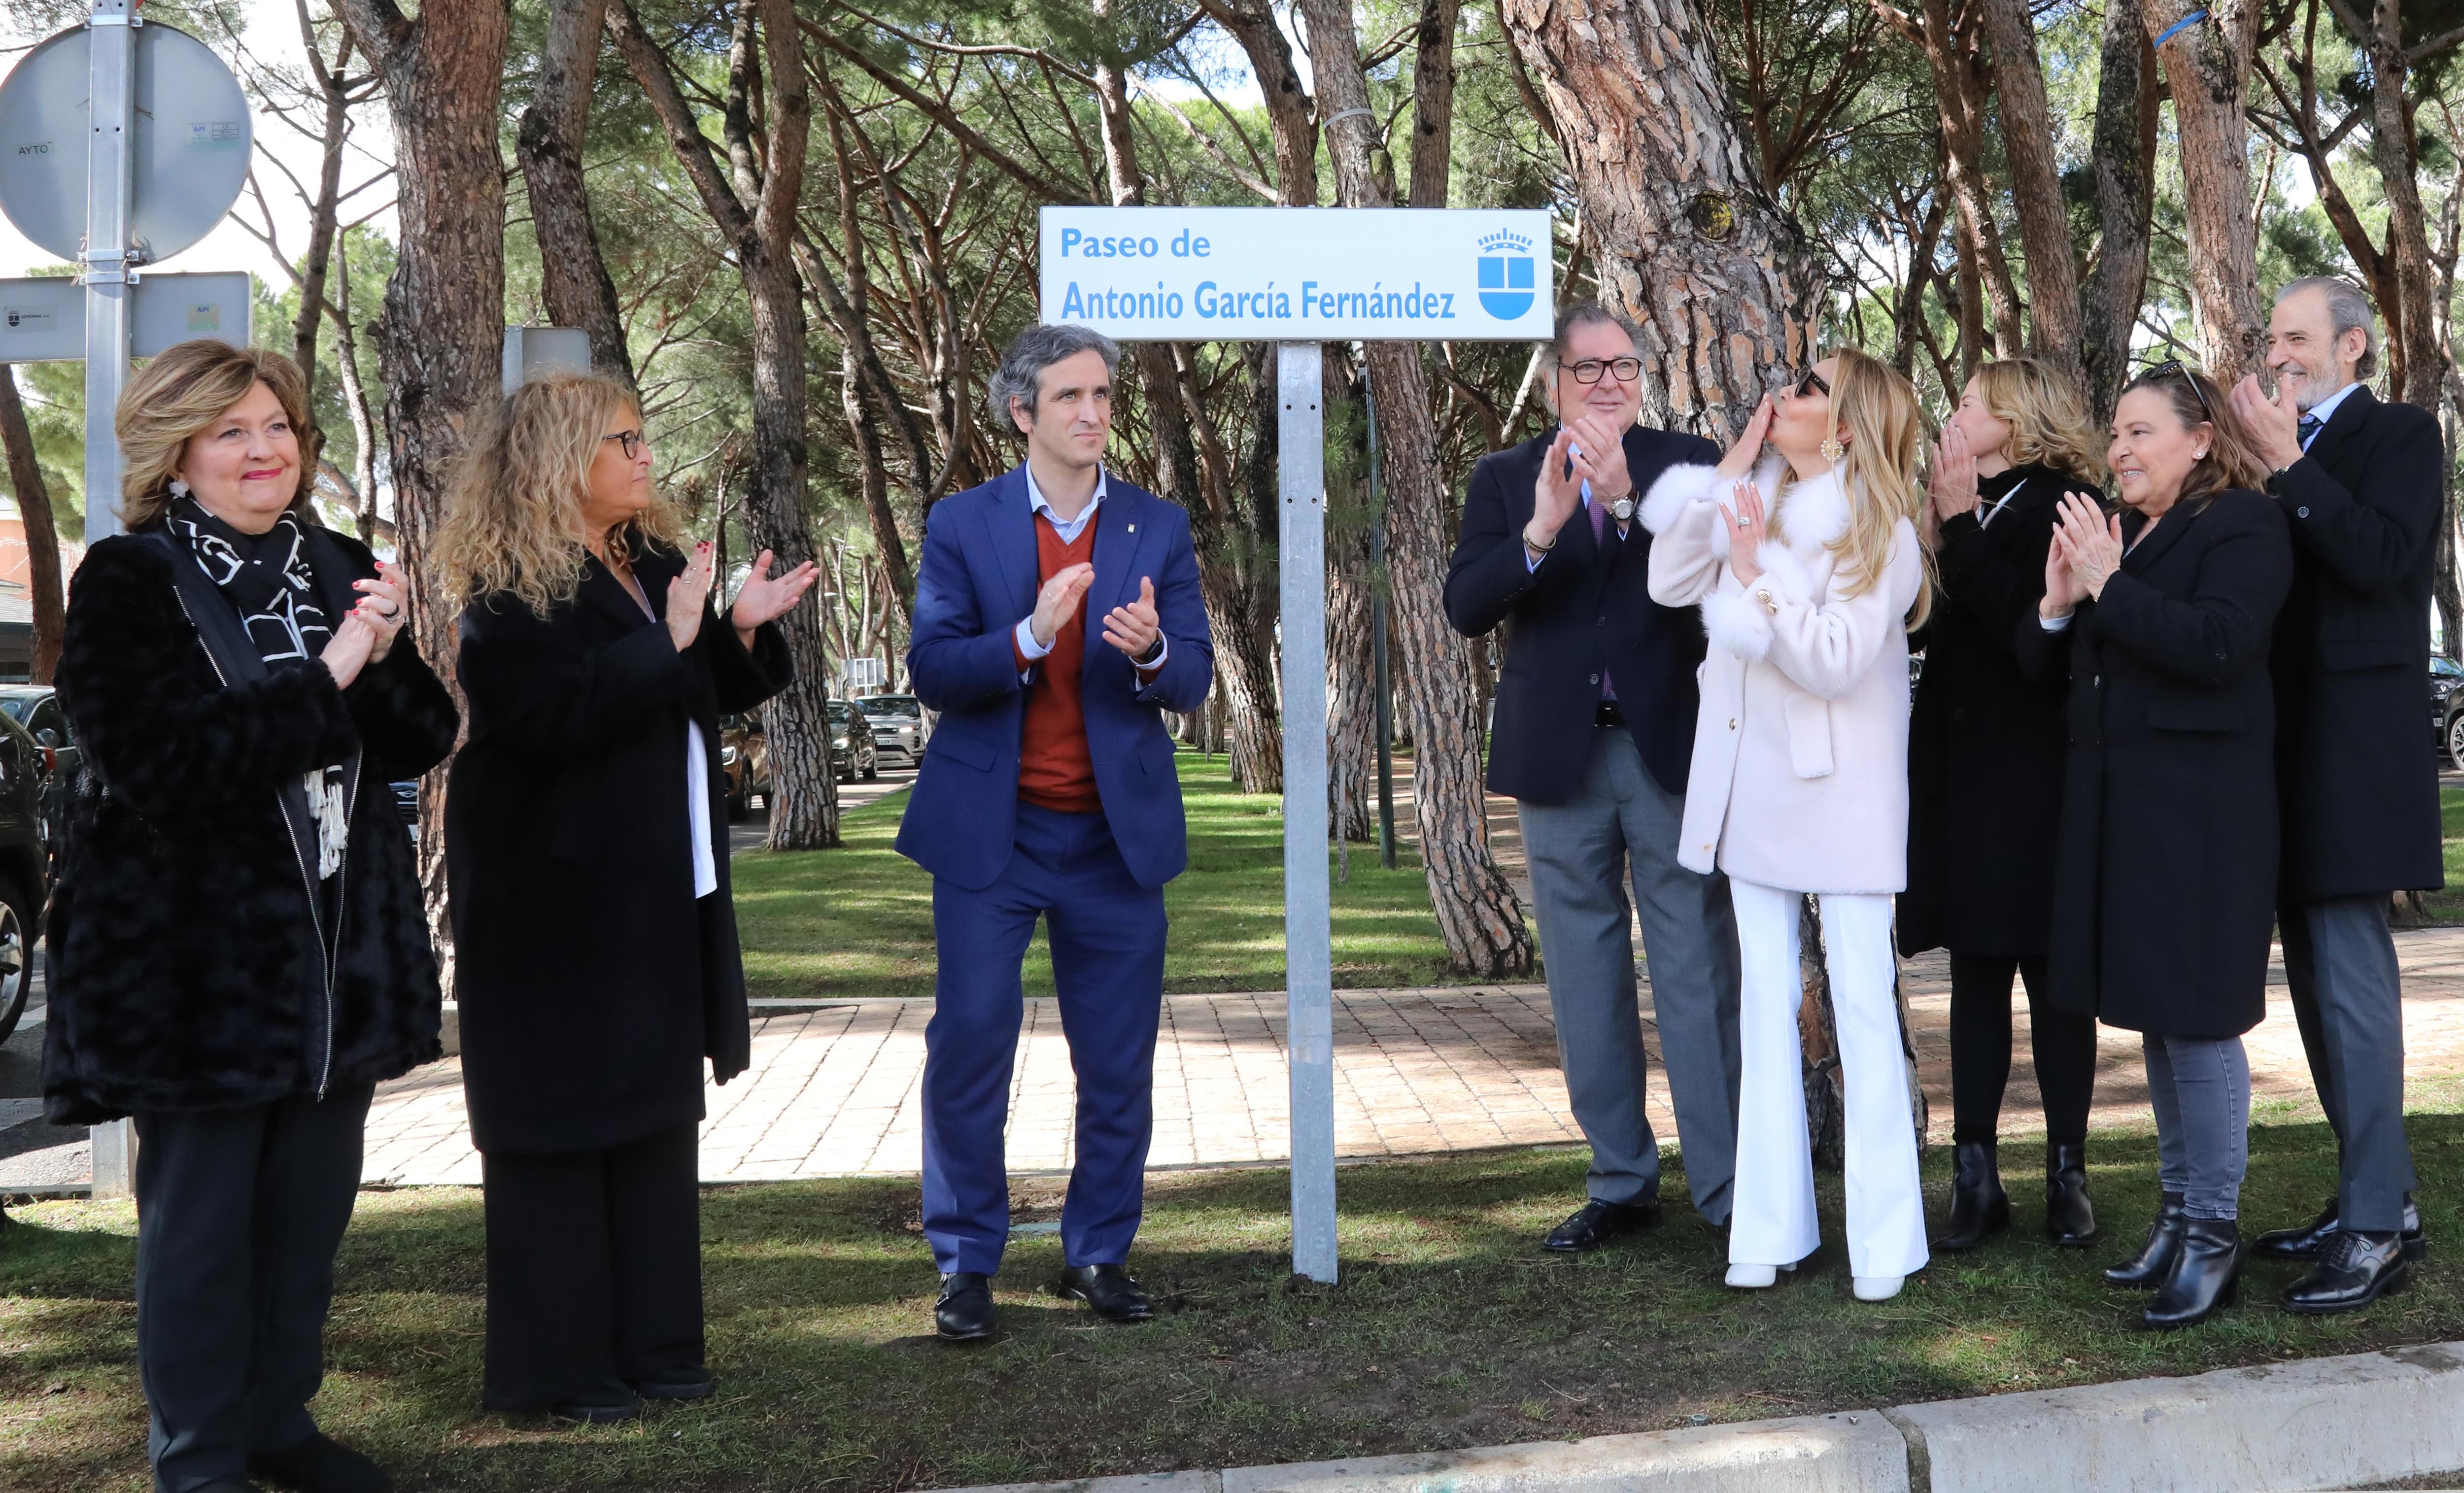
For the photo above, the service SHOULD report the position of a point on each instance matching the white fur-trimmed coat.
(1801, 773)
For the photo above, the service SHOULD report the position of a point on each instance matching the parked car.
(744, 757)
(852, 754)
(2447, 707)
(897, 726)
(27, 767)
(37, 707)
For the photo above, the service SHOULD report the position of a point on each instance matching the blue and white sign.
(1190, 275)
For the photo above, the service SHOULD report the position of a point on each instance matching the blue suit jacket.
(977, 583)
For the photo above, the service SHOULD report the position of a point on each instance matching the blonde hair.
(180, 395)
(2048, 420)
(513, 514)
(1877, 472)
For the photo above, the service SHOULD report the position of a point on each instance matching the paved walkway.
(833, 1089)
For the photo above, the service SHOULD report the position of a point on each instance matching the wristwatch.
(1622, 509)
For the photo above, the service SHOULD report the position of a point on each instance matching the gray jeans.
(1619, 831)
(2348, 999)
(2200, 1089)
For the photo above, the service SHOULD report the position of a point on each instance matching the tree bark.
(1478, 912)
(1950, 38)
(355, 397)
(1351, 672)
(573, 274)
(326, 209)
(2415, 368)
(2206, 65)
(42, 538)
(2126, 195)
(440, 339)
(1719, 277)
(2036, 185)
(1433, 102)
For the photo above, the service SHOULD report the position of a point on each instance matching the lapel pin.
(1133, 529)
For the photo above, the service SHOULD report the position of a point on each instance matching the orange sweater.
(1055, 770)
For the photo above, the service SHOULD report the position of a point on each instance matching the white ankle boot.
(1755, 1278)
(1879, 1288)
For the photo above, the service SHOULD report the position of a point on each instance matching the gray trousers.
(2199, 1088)
(2340, 961)
(1618, 829)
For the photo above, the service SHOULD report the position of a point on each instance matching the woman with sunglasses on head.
(2164, 873)
(586, 853)
(1809, 572)
(1985, 747)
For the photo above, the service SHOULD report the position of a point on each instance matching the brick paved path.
(833, 1090)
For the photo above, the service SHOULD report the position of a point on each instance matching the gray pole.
(1377, 636)
(1309, 950)
(111, 44)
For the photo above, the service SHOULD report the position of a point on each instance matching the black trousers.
(594, 1270)
(238, 1215)
(1980, 1050)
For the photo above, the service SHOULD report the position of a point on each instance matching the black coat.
(1587, 607)
(591, 982)
(2357, 771)
(2165, 880)
(188, 959)
(1985, 743)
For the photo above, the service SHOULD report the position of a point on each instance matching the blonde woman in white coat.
(1807, 567)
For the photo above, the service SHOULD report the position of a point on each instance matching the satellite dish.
(188, 164)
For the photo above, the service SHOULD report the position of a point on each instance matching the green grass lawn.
(1449, 1329)
(2448, 906)
(857, 921)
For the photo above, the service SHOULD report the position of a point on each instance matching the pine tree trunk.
(1721, 279)
(42, 537)
(2126, 188)
(2206, 65)
(1433, 102)
(1352, 685)
(1478, 912)
(573, 274)
(2414, 366)
(2037, 187)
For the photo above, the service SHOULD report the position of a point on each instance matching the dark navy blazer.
(977, 583)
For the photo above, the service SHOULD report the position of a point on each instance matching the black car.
(27, 769)
(36, 707)
(852, 754)
(2447, 707)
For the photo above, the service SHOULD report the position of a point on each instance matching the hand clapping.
(687, 593)
(764, 597)
(2090, 544)
(1134, 628)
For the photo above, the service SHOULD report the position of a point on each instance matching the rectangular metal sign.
(1299, 274)
(42, 319)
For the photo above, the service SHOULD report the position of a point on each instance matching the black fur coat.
(184, 961)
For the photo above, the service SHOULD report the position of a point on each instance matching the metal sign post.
(105, 265)
(1300, 278)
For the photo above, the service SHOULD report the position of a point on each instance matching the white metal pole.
(111, 43)
(1309, 950)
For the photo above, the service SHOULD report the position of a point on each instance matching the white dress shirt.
(2325, 411)
(1068, 530)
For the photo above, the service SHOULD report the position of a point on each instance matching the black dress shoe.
(964, 1312)
(2308, 1240)
(2205, 1275)
(230, 1485)
(1978, 1205)
(2146, 1270)
(612, 1406)
(320, 1464)
(695, 1383)
(1109, 1291)
(2357, 1269)
(2070, 1221)
(1597, 1223)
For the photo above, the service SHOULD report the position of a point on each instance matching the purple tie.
(1599, 536)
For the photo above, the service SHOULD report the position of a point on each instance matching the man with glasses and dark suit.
(1593, 736)
(2357, 778)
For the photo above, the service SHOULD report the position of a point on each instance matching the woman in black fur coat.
(238, 949)
(585, 842)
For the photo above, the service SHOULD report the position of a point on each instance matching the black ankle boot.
(2069, 1220)
(2205, 1275)
(2147, 1270)
(1978, 1205)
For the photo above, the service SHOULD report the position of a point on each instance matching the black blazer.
(1986, 742)
(1587, 607)
(2165, 878)
(2357, 771)
(592, 982)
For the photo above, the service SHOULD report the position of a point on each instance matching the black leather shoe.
(1109, 1291)
(2205, 1275)
(2308, 1241)
(1597, 1223)
(230, 1486)
(2070, 1221)
(964, 1312)
(2146, 1270)
(1978, 1205)
(675, 1384)
(612, 1406)
(2357, 1269)
(320, 1464)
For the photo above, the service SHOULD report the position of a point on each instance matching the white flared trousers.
(1773, 1222)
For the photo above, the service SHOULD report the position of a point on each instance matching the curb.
(2318, 1423)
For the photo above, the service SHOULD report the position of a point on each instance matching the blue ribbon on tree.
(2167, 34)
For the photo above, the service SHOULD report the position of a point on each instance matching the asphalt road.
(755, 828)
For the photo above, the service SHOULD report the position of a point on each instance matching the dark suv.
(2447, 707)
(27, 774)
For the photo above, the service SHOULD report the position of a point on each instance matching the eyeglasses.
(1808, 379)
(632, 441)
(2175, 367)
(1589, 369)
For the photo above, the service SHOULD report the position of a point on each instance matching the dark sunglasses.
(632, 441)
(2175, 367)
(1590, 369)
(1808, 379)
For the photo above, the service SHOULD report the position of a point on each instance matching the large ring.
(1740, 522)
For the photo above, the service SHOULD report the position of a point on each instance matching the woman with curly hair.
(595, 953)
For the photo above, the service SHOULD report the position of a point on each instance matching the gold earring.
(1833, 449)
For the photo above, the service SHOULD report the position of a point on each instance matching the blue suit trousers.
(1107, 934)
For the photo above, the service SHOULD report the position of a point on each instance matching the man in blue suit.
(1048, 791)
